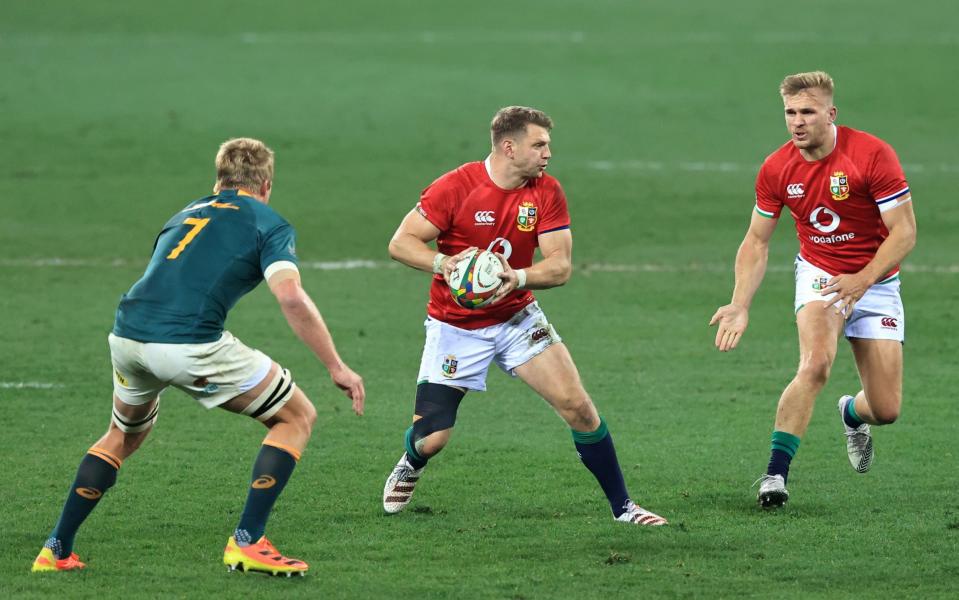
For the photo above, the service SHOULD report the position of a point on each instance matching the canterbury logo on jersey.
(889, 323)
(484, 217)
(795, 190)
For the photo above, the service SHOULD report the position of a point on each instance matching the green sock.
(784, 447)
(852, 418)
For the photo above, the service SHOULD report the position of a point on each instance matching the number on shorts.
(197, 224)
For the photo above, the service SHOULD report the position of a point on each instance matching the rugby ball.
(474, 279)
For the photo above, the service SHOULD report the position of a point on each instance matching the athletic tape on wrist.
(438, 263)
(521, 279)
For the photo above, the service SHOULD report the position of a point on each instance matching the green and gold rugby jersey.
(208, 256)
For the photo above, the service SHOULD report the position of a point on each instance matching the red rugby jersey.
(470, 210)
(836, 201)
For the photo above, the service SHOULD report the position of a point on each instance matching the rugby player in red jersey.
(508, 205)
(849, 198)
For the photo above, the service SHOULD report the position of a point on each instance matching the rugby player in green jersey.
(169, 332)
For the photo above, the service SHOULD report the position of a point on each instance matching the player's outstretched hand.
(732, 320)
(848, 289)
(351, 384)
(449, 263)
(509, 277)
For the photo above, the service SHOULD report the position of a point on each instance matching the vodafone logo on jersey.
(795, 190)
(817, 219)
(833, 223)
(484, 217)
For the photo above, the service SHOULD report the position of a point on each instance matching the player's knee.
(432, 444)
(436, 408)
(885, 415)
(299, 412)
(122, 443)
(306, 416)
(815, 369)
(579, 413)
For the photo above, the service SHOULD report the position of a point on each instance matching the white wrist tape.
(438, 263)
(521, 279)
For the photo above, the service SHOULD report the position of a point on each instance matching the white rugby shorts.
(878, 315)
(211, 373)
(461, 357)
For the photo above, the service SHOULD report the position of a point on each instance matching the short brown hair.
(514, 119)
(793, 84)
(243, 163)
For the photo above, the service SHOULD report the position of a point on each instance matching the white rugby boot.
(858, 440)
(772, 491)
(638, 515)
(398, 490)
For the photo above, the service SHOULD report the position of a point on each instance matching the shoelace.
(404, 472)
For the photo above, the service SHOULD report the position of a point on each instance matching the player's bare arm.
(901, 223)
(410, 246)
(750, 270)
(553, 270)
(305, 320)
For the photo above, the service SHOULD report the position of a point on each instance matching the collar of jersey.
(234, 192)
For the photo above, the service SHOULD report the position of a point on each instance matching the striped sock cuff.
(786, 442)
(284, 447)
(107, 457)
(851, 411)
(591, 437)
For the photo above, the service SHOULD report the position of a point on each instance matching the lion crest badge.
(526, 219)
(839, 186)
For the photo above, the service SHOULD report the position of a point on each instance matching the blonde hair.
(511, 120)
(243, 163)
(793, 84)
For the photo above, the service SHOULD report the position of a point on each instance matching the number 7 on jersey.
(197, 224)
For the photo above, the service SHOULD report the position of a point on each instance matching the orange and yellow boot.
(47, 561)
(261, 557)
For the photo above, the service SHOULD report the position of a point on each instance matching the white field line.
(355, 264)
(33, 385)
(484, 37)
(729, 167)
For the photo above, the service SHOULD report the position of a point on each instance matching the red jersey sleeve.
(768, 202)
(437, 202)
(555, 213)
(887, 182)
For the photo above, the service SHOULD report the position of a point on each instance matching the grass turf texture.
(111, 119)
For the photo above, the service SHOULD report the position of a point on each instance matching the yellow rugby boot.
(261, 557)
(47, 561)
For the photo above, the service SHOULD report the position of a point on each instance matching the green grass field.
(110, 115)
